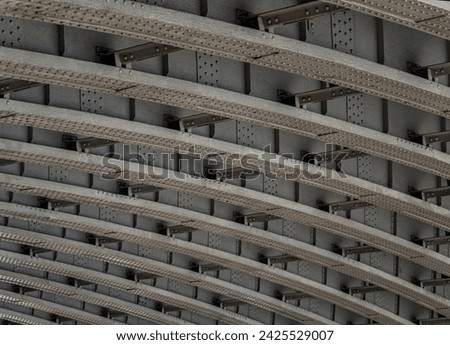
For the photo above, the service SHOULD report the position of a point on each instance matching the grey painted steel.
(223, 259)
(220, 226)
(107, 302)
(428, 16)
(162, 270)
(231, 41)
(161, 138)
(22, 319)
(54, 308)
(86, 75)
(122, 284)
(232, 194)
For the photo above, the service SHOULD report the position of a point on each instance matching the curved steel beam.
(101, 300)
(432, 17)
(54, 308)
(224, 192)
(150, 266)
(317, 255)
(126, 286)
(187, 31)
(22, 319)
(164, 270)
(57, 70)
(207, 223)
(135, 133)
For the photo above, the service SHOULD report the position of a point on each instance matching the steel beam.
(435, 282)
(436, 321)
(125, 285)
(87, 296)
(304, 215)
(430, 138)
(22, 319)
(432, 17)
(294, 296)
(215, 37)
(280, 259)
(200, 120)
(53, 308)
(357, 250)
(139, 85)
(268, 21)
(315, 96)
(126, 57)
(344, 206)
(13, 85)
(292, 247)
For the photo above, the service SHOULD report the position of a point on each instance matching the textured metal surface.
(53, 308)
(22, 319)
(256, 236)
(88, 296)
(52, 118)
(219, 38)
(429, 16)
(122, 284)
(160, 269)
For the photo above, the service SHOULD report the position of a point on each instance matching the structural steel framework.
(202, 162)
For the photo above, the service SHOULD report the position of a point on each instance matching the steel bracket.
(358, 250)
(125, 57)
(315, 96)
(268, 21)
(73, 143)
(434, 282)
(200, 120)
(230, 303)
(211, 268)
(342, 206)
(338, 155)
(361, 289)
(229, 174)
(430, 193)
(429, 138)
(5, 162)
(179, 229)
(294, 296)
(254, 218)
(12, 85)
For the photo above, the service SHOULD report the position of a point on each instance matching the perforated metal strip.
(127, 286)
(123, 259)
(89, 297)
(53, 308)
(187, 31)
(139, 134)
(432, 17)
(282, 208)
(306, 251)
(22, 319)
(161, 270)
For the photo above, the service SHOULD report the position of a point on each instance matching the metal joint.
(361, 289)
(294, 296)
(429, 138)
(315, 96)
(342, 206)
(268, 21)
(254, 218)
(436, 321)
(431, 72)
(211, 268)
(229, 174)
(12, 85)
(73, 143)
(179, 229)
(5, 162)
(430, 193)
(338, 155)
(358, 250)
(280, 259)
(200, 120)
